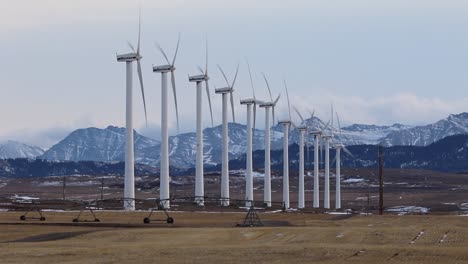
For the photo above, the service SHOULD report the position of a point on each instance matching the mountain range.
(95, 144)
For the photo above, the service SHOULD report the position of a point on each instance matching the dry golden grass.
(212, 238)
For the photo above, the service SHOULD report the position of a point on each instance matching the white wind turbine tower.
(267, 171)
(164, 170)
(225, 151)
(303, 129)
(129, 184)
(287, 123)
(338, 148)
(326, 192)
(250, 102)
(199, 175)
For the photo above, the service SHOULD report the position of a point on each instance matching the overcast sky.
(378, 62)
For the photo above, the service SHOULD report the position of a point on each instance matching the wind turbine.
(129, 58)
(225, 152)
(267, 170)
(302, 130)
(338, 148)
(164, 170)
(287, 123)
(199, 175)
(328, 139)
(249, 102)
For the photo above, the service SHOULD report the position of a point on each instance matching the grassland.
(210, 237)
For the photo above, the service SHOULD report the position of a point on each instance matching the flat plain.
(437, 234)
(210, 237)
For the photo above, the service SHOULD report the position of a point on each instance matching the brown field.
(209, 237)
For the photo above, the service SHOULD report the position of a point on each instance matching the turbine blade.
(177, 50)
(131, 46)
(277, 99)
(250, 74)
(139, 31)
(339, 126)
(200, 69)
(224, 75)
(163, 53)
(273, 114)
(268, 86)
(348, 152)
(254, 115)
(287, 96)
(299, 114)
(232, 107)
(140, 77)
(235, 77)
(175, 99)
(209, 101)
(206, 59)
(333, 160)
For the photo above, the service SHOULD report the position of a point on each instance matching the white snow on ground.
(364, 198)
(340, 235)
(50, 183)
(23, 197)
(353, 180)
(463, 206)
(402, 210)
(258, 174)
(338, 213)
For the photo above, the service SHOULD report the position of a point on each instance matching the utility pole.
(102, 188)
(63, 187)
(380, 181)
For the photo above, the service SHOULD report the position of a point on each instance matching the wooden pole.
(380, 181)
(63, 187)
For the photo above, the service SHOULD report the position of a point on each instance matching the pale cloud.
(406, 108)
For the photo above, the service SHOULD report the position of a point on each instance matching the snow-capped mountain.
(425, 135)
(108, 144)
(94, 144)
(14, 149)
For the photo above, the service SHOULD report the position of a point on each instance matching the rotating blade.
(140, 77)
(273, 114)
(175, 99)
(268, 86)
(232, 107)
(200, 69)
(251, 79)
(131, 46)
(163, 53)
(254, 115)
(206, 57)
(345, 149)
(299, 114)
(176, 51)
(224, 75)
(235, 77)
(287, 96)
(277, 99)
(209, 101)
(139, 31)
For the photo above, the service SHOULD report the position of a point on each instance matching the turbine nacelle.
(302, 128)
(248, 101)
(338, 146)
(224, 90)
(284, 122)
(129, 57)
(316, 133)
(198, 78)
(163, 68)
(267, 104)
